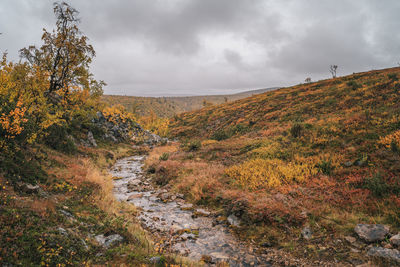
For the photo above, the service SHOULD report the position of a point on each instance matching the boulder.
(385, 253)
(109, 241)
(233, 220)
(306, 233)
(28, 188)
(395, 240)
(371, 232)
(91, 140)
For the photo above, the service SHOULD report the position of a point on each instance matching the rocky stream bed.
(194, 233)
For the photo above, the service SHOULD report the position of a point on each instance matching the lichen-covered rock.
(109, 241)
(233, 220)
(371, 232)
(395, 240)
(386, 253)
(306, 233)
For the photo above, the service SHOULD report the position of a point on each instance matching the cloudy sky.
(195, 47)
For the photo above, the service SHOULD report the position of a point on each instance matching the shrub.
(353, 85)
(164, 156)
(377, 185)
(59, 139)
(325, 167)
(260, 173)
(296, 130)
(220, 135)
(393, 77)
(194, 145)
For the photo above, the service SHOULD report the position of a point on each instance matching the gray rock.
(348, 164)
(350, 239)
(371, 232)
(62, 231)
(66, 214)
(28, 188)
(156, 260)
(91, 140)
(395, 240)
(108, 241)
(386, 253)
(306, 233)
(233, 220)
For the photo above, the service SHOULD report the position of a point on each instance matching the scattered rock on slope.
(386, 253)
(371, 232)
(109, 241)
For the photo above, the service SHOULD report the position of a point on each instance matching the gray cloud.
(149, 47)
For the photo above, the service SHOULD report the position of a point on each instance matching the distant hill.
(170, 106)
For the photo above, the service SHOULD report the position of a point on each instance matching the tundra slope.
(323, 156)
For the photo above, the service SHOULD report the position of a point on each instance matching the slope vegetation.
(325, 155)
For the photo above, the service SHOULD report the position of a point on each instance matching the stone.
(350, 239)
(109, 241)
(306, 233)
(91, 140)
(233, 220)
(134, 196)
(156, 260)
(371, 232)
(202, 212)
(28, 188)
(395, 240)
(348, 164)
(62, 231)
(386, 253)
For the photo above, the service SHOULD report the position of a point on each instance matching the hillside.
(315, 158)
(167, 107)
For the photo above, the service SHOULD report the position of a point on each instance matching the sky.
(198, 47)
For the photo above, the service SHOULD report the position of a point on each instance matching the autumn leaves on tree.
(51, 89)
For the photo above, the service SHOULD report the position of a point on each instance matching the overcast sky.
(196, 47)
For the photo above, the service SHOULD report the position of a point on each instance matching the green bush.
(194, 145)
(353, 85)
(59, 139)
(18, 168)
(325, 167)
(377, 185)
(296, 130)
(164, 156)
(220, 135)
(393, 77)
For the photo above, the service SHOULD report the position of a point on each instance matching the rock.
(389, 254)
(371, 232)
(156, 260)
(395, 240)
(28, 188)
(350, 239)
(202, 213)
(62, 231)
(233, 220)
(66, 214)
(306, 233)
(134, 196)
(108, 241)
(219, 256)
(91, 140)
(348, 164)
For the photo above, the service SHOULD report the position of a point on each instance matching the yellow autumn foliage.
(155, 124)
(117, 113)
(388, 140)
(266, 173)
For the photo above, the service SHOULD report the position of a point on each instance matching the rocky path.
(190, 232)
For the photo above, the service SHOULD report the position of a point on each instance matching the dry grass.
(155, 154)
